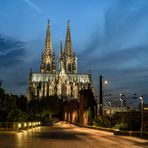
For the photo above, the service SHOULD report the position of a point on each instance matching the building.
(145, 117)
(81, 111)
(61, 80)
(113, 110)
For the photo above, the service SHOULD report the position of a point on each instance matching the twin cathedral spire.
(66, 60)
(62, 79)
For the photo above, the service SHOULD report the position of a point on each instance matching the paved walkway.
(68, 136)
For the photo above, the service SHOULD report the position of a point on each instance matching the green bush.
(17, 116)
(104, 121)
(126, 121)
(121, 126)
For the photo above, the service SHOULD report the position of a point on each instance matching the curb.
(120, 132)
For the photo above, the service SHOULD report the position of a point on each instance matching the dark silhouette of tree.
(50, 105)
(21, 103)
(7, 104)
(34, 106)
(17, 115)
(12, 107)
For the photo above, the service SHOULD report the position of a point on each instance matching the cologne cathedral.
(60, 79)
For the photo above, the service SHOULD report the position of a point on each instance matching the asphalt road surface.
(67, 136)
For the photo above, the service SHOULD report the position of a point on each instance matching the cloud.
(13, 66)
(11, 52)
(33, 5)
(125, 68)
(120, 51)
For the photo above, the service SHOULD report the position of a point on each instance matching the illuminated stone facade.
(62, 81)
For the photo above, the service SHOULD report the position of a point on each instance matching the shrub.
(126, 121)
(104, 121)
(121, 126)
(17, 116)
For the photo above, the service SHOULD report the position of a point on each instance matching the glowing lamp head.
(19, 125)
(121, 99)
(121, 94)
(105, 82)
(25, 124)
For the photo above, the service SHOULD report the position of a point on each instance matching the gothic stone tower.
(48, 58)
(68, 58)
(64, 81)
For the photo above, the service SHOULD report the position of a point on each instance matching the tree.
(50, 105)
(34, 107)
(21, 103)
(17, 116)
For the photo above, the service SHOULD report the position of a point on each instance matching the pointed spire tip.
(60, 44)
(48, 21)
(68, 22)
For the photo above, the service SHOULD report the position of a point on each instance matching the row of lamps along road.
(122, 101)
(26, 125)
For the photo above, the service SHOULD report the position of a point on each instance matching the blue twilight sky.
(110, 37)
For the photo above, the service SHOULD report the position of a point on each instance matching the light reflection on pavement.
(67, 136)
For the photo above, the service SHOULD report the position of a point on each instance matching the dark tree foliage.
(21, 103)
(17, 108)
(131, 121)
(45, 108)
(7, 104)
(34, 106)
(50, 105)
(17, 115)
(12, 107)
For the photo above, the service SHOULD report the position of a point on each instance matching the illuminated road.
(67, 136)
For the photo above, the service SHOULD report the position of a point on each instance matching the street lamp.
(105, 82)
(110, 107)
(141, 99)
(122, 95)
(101, 95)
(121, 99)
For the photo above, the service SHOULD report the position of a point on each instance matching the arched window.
(63, 89)
(48, 67)
(69, 67)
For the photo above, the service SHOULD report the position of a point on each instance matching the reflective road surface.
(67, 136)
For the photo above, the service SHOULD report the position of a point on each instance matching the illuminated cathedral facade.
(61, 80)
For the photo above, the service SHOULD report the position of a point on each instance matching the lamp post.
(110, 107)
(101, 95)
(101, 98)
(141, 100)
(121, 99)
